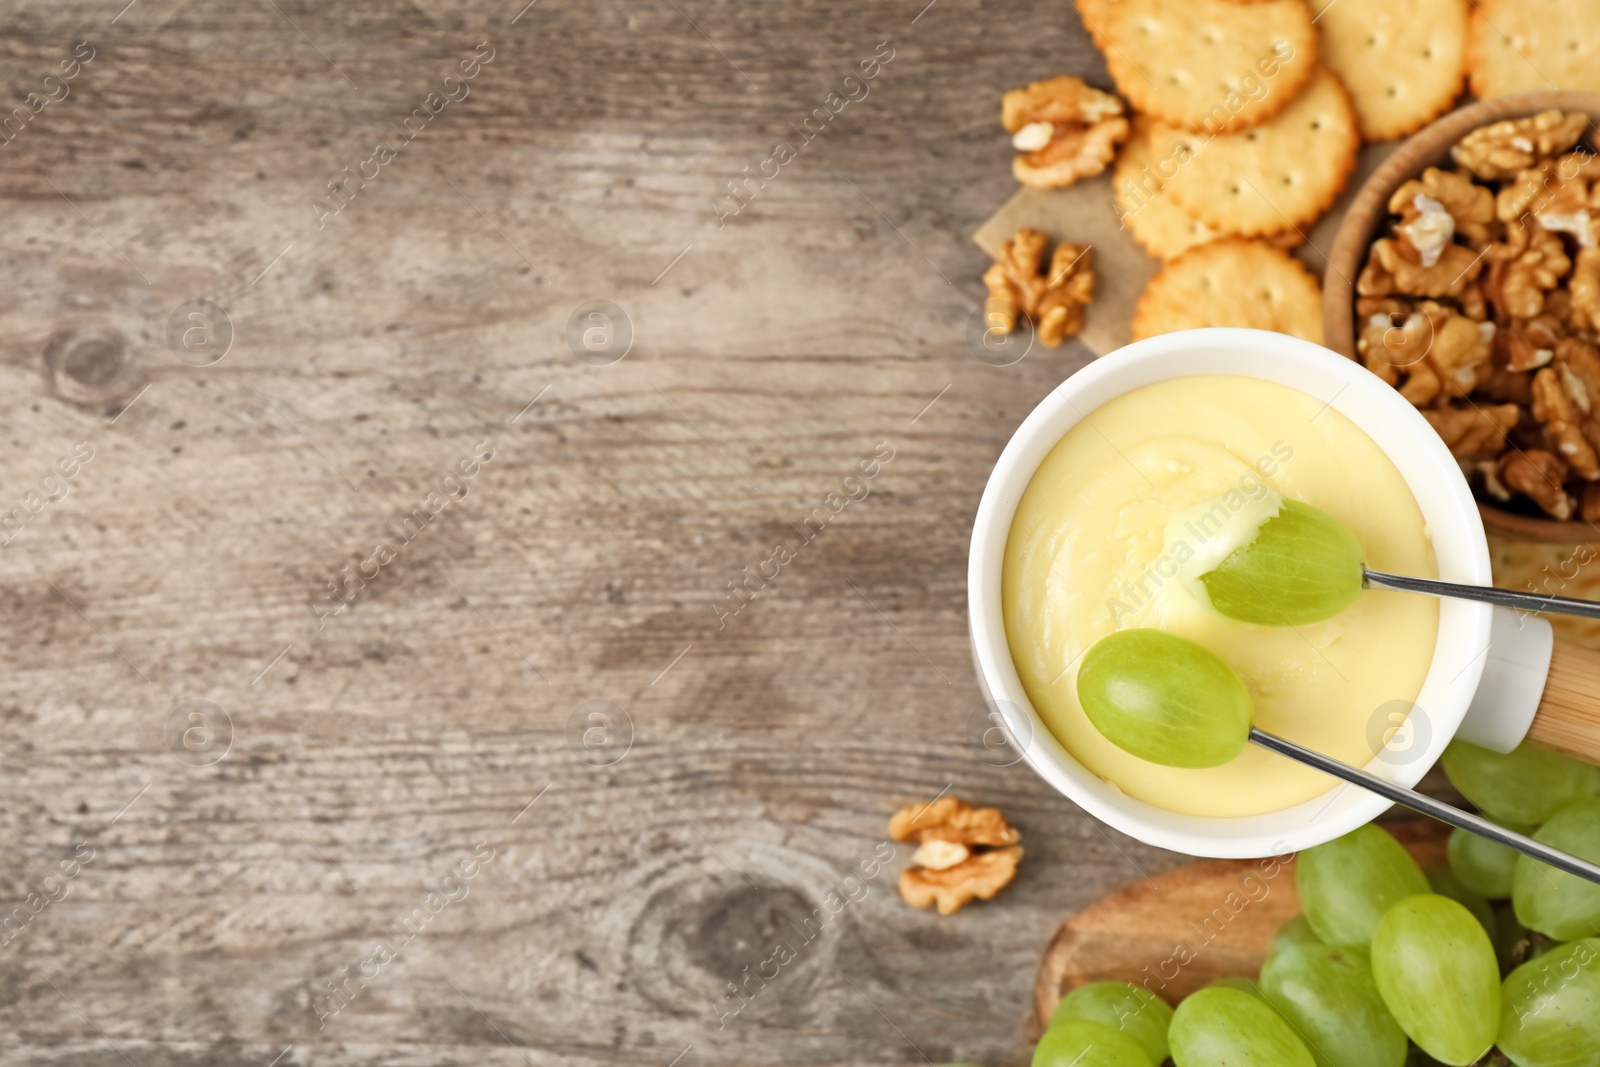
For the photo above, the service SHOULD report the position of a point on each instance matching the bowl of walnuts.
(1466, 274)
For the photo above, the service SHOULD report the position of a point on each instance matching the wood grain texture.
(371, 752)
(371, 355)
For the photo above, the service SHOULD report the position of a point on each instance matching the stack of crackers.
(1250, 118)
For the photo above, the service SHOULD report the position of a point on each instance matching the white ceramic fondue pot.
(1488, 679)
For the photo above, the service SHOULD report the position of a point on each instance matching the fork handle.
(1568, 718)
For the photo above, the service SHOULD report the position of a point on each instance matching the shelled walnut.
(1527, 264)
(1557, 408)
(1474, 433)
(1480, 303)
(963, 853)
(1454, 267)
(1063, 129)
(1501, 149)
(1053, 301)
(1441, 204)
(1538, 474)
(1584, 287)
(1436, 350)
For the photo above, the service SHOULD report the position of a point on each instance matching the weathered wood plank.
(583, 563)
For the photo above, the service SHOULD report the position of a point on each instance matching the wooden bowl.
(1369, 213)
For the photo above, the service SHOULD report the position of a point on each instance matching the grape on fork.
(1169, 700)
(1303, 566)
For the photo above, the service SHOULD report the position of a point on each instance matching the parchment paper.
(1086, 212)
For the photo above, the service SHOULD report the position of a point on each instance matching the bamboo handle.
(1568, 719)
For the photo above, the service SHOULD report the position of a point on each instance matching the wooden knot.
(755, 933)
(727, 950)
(91, 366)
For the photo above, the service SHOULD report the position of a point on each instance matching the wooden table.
(227, 784)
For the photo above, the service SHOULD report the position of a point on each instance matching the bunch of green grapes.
(1550, 797)
(1390, 965)
(1523, 787)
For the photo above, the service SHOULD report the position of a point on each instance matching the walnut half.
(1529, 263)
(1442, 352)
(1538, 475)
(1063, 130)
(1396, 267)
(1501, 149)
(1469, 207)
(1476, 432)
(963, 853)
(1053, 301)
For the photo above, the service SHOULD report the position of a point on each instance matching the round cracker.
(1275, 177)
(1519, 46)
(1162, 227)
(1095, 14)
(1402, 60)
(1210, 65)
(1232, 282)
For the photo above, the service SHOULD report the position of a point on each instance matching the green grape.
(1295, 931)
(1436, 971)
(1554, 902)
(1217, 1025)
(1550, 1010)
(1446, 884)
(1303, 566)
(1482, 865)
(1348, 883)
(1165, 699)
(1329, 997)
(1081, 1043)
(1523, 787)
(1122, 1006)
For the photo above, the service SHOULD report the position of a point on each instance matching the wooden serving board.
(1181, 930)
